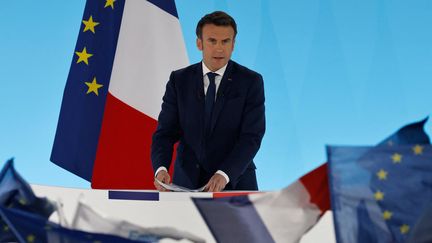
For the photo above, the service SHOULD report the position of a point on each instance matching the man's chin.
(219, 63)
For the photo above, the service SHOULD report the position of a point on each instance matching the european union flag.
(32, 228)
(379, 193)
(410, 134)
(16, 193)
(422, 231)
(86, 89)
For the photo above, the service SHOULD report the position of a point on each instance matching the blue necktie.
(209, 101)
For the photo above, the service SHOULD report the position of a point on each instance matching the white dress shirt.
(218, 77)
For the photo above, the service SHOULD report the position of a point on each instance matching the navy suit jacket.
(237, 127)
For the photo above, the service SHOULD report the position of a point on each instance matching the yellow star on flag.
(30, 238)
(109, 3)
(83, 56)
(404, 229)
(397, 158)
(90, 25)
(5, 228)
(379, 195)
(22, 201)
(417, 149)
(387, 215)
(382, 174)
(93, 86)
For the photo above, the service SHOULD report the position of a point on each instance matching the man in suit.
(215, 109)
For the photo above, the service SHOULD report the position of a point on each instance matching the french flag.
(122, 61)
(280, 216)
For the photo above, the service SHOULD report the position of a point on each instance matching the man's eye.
(212, 41)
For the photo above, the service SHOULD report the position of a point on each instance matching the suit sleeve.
(251, 132)
(168, 129)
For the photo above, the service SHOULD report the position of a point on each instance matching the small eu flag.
(30, 227)
(16, 193)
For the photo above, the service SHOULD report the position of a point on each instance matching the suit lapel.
(198, 105)
(223, 89)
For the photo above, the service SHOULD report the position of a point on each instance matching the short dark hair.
(218, 18)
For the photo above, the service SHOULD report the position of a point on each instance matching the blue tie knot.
(211, 76)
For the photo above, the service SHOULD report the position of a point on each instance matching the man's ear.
(199, 44)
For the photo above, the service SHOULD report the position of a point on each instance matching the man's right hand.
(164, 177)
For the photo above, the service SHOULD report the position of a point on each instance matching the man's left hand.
(216, 183)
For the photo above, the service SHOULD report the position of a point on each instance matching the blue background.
(335, 72)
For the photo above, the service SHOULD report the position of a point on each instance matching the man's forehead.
(214, 30)
(209, 37)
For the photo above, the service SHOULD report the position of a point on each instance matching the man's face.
(217, 45)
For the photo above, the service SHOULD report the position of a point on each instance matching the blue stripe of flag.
(81, 114)
(127, 195)
(233, 219)
(166, 5)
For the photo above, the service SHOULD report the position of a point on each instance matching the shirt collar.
(220, 71)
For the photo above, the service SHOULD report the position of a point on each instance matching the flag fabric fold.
(16, 193)
(122, 60)
(88, 219)
(421, 232)
(379, 193)
(29, 227)
(281, 216)
(355, 174)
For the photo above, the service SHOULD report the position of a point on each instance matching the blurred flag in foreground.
(16, 193)
(122, 61)
(29, 227)
(87, 219)
(282, 216)
(422, 230)
(286, 215)
(379, 193)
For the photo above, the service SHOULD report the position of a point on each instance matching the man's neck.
(206, 70)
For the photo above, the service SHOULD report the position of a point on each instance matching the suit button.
(197, 166)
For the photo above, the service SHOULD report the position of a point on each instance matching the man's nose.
(219, 47)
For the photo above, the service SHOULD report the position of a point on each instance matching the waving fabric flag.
(355, 174)
(286, 215)
(88, 219)
(410, 134)
(379, 193)
(32, 228)
(122, 61)
(281, 216)
(16, 193)
(316, 181)
(421, 232)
